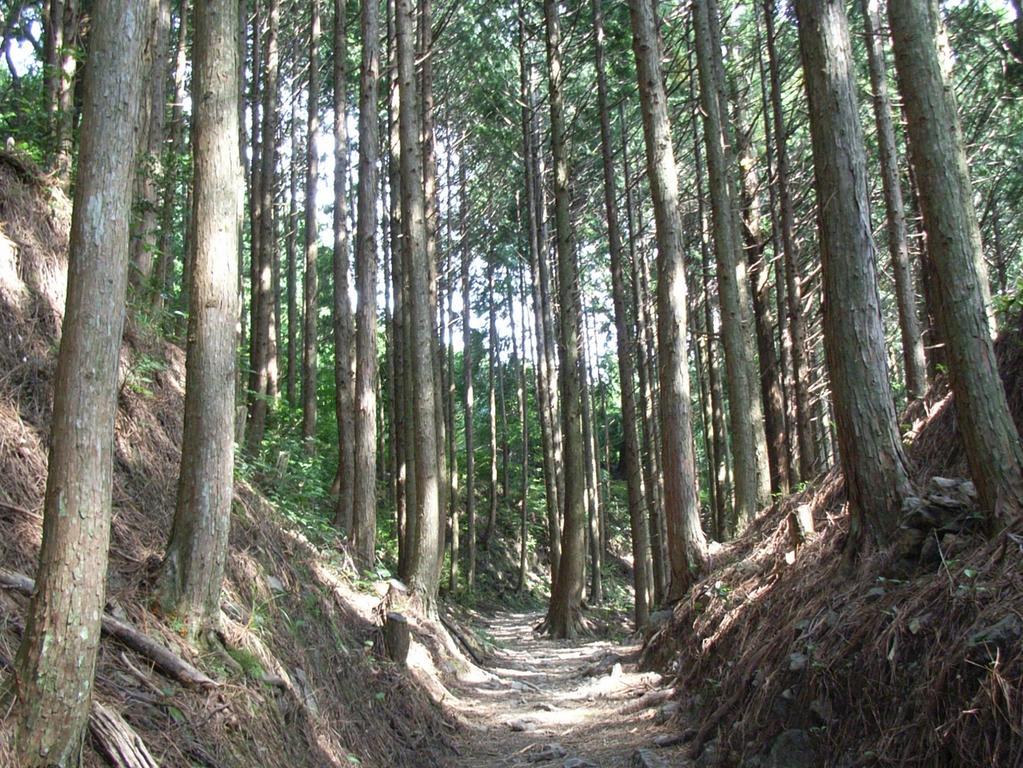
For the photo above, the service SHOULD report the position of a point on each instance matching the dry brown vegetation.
(299, 684)
(913, 657)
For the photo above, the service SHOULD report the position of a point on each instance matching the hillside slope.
(299, 684)
(786, 655)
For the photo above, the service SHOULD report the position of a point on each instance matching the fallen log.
(117, 740)
(163, 658)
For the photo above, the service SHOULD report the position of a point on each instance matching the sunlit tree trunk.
(793, 286)
(953, 240)
(749, 448)
(345, 406)
(686, 543)
(564, 612)
(311, 298)
(365, 468)
(467, 367)
(898, 240)
(57, 657)
(425, 561)
(870, 446)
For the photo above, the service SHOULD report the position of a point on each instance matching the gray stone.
(578, 762)
(665, 712)
(644, 758)
(545, 753)
(710, 756)
(998, 637)
(793, 749)
(798, 662)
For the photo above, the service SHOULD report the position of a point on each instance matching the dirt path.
(536, 704)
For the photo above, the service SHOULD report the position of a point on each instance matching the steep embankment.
(788, 658)
(299, 684)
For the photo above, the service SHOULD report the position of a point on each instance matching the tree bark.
(749, 447)
(425, 560)
(56, 661)
(808, 463)
(311, 302)
(870, 446)
(365, 488)
(149, 162)
(564, 612)
(345, 408)
(913, 360)
(172, 165)
(467, 368)
(686, 543)
(953, 240)
(265, 244)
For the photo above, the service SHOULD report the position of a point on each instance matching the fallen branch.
(457, 634)
(117, 740)
(648, 700)
(164, 659)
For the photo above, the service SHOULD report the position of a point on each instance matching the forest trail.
(545, 701)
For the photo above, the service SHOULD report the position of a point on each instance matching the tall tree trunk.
(754, 243)
(344, 384)
(404, 496)
(536, 244)
(491, 403)
(686, 543)
(563, 615)
(428, 132)
(869, 442)
(311, 303)
(796, 325)
(290, 248)
(650, 467)
(898, 240)
(749, 448)
(150, 170)
(467, 368)
(57, 657)
(590, 457)
(722, 516)
(65, 30)
(172, 165)
(523, 398)
(425, 562)
(365, 469)
(953, 240)
(265, 244)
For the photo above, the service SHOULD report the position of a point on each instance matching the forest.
(471, 383)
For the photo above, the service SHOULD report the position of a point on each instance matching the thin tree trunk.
(754, 242)
(686, 543)
(145, 239)
(365, 467)
(523, 398)
(534, 217)
(870, 445)
(953, 238)
(467, 368)
(646, 410)
(491, 404)
(290, 248)
(56, 661)
(172, 165)
(345, 404)
(749, 448)
(264, 244)
(796, 324)
(311, 303)
(898, 240)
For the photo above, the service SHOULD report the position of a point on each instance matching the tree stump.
(396, 637)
